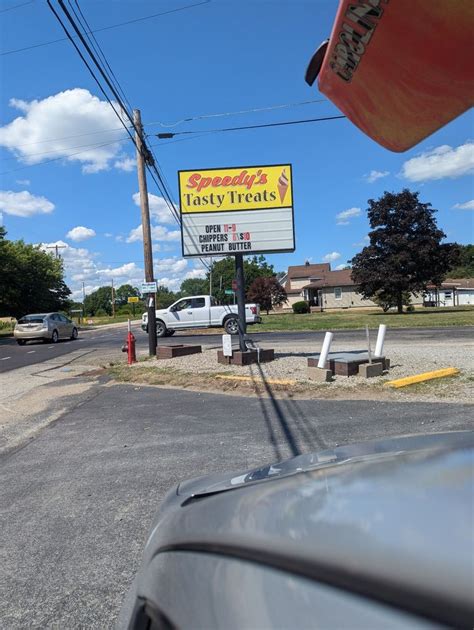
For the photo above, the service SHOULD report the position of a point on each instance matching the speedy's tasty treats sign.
(230, 189)
(237, 210)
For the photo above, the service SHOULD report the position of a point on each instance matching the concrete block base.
(347, 363)
(319, 374)
(246, 358)
(178, 350)
(369, 370)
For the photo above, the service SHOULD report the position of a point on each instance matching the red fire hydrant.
(129, 346)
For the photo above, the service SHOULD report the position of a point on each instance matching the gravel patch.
(406, 360)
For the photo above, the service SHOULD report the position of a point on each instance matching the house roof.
(306, 271)
(340, 278)
(454, 283)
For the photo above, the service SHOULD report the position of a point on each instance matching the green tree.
(223, 272)
(124, 292)
(31, 280)
(405, 251)
(194, 286)
(267, 292)
(165, 297)
(387, 300)
(99, 300)
(465, 266)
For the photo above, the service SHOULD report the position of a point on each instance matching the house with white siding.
(323, 288)
(452, 292)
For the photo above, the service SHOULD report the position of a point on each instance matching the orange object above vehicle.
(400, 69)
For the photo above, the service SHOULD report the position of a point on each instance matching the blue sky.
(222, 56)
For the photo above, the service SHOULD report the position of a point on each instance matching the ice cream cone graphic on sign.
(282, 185)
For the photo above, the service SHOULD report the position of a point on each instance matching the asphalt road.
(77, 501)
(13, 356)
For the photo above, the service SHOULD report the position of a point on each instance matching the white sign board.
(243, 210)
(148, 287)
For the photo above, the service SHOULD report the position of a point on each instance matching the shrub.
(100, 312)
(300, 307)
(410, 308)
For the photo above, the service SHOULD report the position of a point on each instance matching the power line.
(17, 6)
(62, 157)
(200, 117)
(280, 124)
(79, 146)
(98, 50)
(243, 111)
(77, 135)
(141, 147)
(104, 28)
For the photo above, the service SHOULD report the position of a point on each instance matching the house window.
(337, 293)
(447, 295)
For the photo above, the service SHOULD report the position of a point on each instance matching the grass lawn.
(427, 317)
(100, 321)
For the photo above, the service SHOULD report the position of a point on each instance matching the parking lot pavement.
(77, 501)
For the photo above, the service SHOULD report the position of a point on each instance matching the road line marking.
(5, 358)
(420, 378)
(31, 351)
(50, 347)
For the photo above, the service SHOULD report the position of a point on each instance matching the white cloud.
(62, 125)
(365, 241)
(468, 205)
(343, 218)
(82, 265)
(373, 176)
(443, 161)
(80, 233)
(174, 265)
(331, 257)
(126, 164)
(24, 204)
(79, 262)
(23, 182)
(171, 283)
(158, 208)
(340, 267)
(158, 233)
(195, 273)
(108, 234)
(129, 271)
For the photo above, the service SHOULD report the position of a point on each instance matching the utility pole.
(210, 276)
(239, 275)
(83, 292)
(113, 299)
(145, 211)
(56, 248)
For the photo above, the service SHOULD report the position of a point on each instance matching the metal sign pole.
(239, 274)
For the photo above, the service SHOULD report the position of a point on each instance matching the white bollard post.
(325, 350)
(380, 340)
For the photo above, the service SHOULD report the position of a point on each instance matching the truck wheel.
(231, 326)
(160, 328)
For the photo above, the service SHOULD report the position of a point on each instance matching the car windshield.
(32, 319)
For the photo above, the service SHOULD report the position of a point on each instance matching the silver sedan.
(45, 326)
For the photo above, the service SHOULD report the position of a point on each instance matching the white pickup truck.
(200, 311)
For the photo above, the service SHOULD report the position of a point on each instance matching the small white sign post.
(227, 345)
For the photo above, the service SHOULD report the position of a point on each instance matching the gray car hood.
(390, 516)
